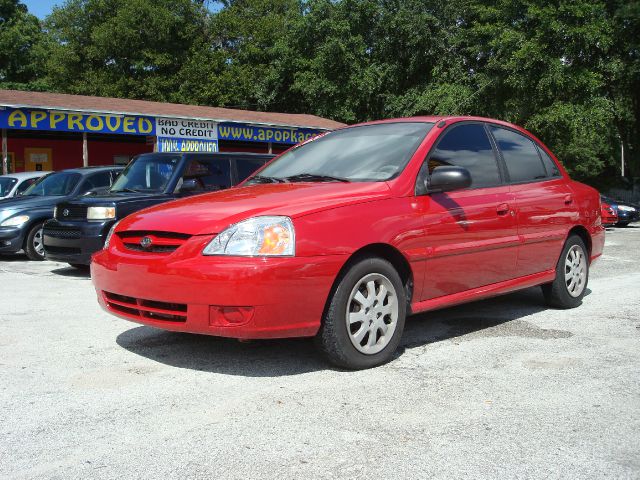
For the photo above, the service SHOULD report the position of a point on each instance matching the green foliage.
(21, 50)
(568, 70)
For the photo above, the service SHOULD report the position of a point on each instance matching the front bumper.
(628, 217)
(74, 242)
(11, 239)
(188, 292)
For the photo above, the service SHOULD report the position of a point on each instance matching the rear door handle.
(568, 200)
(502, 209)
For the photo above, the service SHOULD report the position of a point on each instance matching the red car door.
(544, 203)
(470, 234)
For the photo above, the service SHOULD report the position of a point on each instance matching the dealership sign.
(250, 133)
(57, 121)
(182, 128)
(186, 145)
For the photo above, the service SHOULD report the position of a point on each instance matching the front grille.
(73, 212)
(160, 242)
(149, 309)
(61, 232)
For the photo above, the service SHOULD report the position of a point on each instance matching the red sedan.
(343, 236)
(609, 215)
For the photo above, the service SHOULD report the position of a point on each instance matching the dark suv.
(81, 225)
(21, 218)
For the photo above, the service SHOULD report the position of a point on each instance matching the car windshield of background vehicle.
(55, 184)
(6, 184)
(370, 153)
(147, 173)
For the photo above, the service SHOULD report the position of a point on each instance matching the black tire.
(334, 339)
(557, 293)
(30, 248)
(622, 224)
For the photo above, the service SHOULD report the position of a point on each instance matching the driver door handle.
(502, 209)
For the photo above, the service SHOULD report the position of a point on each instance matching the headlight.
(626, 208)
(109, 235)
(15, 221)
(255, 237)
(101, 213)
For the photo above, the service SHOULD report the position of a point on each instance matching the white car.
(14, 184)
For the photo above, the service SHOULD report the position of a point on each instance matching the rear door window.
(550, 165)
(520, 156)
(246, 166)
(96, 180)
(468, 146)
(211, 173)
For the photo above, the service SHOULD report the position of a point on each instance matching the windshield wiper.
(263, 179)
(131, 190)
(314, 177)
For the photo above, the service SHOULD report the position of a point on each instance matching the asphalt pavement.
(502, 388)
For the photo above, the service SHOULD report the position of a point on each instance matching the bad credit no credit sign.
(182, 128)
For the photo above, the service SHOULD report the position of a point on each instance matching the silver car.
(14, 184)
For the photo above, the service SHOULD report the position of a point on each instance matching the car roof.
(26, 175)
(87, 170)
(441, 118)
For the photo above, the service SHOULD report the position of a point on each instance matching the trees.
(568, 70)
(122, 48)
(21, 51)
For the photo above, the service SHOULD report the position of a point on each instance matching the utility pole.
(622, 157)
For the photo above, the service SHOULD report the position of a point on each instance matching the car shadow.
(14, 257)
(285, 357)
(72, 272)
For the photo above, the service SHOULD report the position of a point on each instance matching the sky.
(41, 8)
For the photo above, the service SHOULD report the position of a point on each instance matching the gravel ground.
(502, 388)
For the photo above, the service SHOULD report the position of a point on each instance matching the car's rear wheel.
(34, 243)
(365, 317)
(572, 276)
(622, 224)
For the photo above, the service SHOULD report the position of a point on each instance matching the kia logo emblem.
(65, 212)
(146, 242)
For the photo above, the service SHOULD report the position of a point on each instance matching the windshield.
(367, 153)
(6, 184)
(147, 173)
(56, 184)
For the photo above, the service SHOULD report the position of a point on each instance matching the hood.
(24, 203)
(116, 198)
(213, 212)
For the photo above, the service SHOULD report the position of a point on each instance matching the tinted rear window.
(520, 155)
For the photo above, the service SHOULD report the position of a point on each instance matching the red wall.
(68, 153)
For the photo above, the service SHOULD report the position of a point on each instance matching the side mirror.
(445, 179)
(189, 185)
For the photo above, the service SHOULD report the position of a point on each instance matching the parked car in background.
(625, 212)
(22, 218)
(343, 236)
(14, 184)
(609, 215)
(81, 225)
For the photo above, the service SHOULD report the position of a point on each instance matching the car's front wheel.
(572, 276)
(365, 317)
(34, 243)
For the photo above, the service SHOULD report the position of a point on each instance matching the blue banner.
(186, 145)
(57, 121)
(249, 133)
